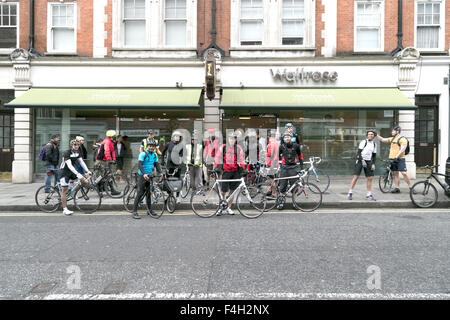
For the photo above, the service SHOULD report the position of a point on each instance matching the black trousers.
(287, 171)
(142, 184)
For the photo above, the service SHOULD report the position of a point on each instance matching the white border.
(441, 28)
(10, 50)
(49, 27)
(381, 33)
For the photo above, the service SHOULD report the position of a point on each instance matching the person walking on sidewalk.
(399, 145)
(193, 160)
(230, 160)
(52, 160)
(146, 162)
(367, 154)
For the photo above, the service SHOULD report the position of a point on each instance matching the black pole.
(399, 29)
(213, 31)
(31, 25)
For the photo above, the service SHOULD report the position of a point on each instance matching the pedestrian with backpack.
(399, 149)
(50, 155)
(366, 157)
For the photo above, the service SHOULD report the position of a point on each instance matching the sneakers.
(230, 212)
(67, 212)
(135, 215)
(396, 190)
(178, 200)
(370, 197)
(350, 196)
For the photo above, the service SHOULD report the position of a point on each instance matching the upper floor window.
(293, 22)
(62, 27)
(252, 20)
(134, 23)
(8, 25)
(429, 24)
(175, 20)
(369, 26)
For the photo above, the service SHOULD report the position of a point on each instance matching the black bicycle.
(386, 180)
(424, 194)
(154, 205)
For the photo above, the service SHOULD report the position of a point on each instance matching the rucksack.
(407, 145)
(42, 153)
(101, 152)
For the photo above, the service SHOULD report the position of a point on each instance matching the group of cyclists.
(281, 155)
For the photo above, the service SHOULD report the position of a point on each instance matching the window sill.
(60, 53)
(154, 52)
(6, 51)
(272, 52)
(262, 48)
(433, 51)
(377, 52)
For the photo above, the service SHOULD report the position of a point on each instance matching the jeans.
(48, 178)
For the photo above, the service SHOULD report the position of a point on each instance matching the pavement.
(20, 197)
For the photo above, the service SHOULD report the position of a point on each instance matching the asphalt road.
(347, 254)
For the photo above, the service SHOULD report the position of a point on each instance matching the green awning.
(336, 98)
(169, 98)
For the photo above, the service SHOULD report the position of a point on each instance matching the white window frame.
(261, 20)
(122, 23)
(272, 27)
(381, 29)
(441, 46)
(300, 19)
(185, 19)
(50, 6)
(10, 50)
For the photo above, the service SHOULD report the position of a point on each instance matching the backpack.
(42, 153)
(407, 145)
(100, 152)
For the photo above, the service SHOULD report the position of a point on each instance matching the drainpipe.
(400, 29)
(33, 52)
(213, 31)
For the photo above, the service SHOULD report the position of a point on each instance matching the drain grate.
(43, 287)
(18, 197)
(115, 288)
(412, 217)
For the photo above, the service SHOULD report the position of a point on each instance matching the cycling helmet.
(74, 141)
(111, 133)
(232, 134)
(397, 128)
(287, 133)
(371, 130)
(149, 131)
(151, 143)
(176, 133)
(289, 125)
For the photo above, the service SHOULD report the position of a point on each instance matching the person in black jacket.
(290, 156)
(52, 160)
(83, 152)
(174, 159)
(121, 151)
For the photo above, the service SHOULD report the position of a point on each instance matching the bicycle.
(386, 180)
(317, 176)
(423, 193)
(210, 203)
(186, 183)
(86, 198)
(306, 196)
(156, 208)
(114, 184)
(171, 185)
(255, 175)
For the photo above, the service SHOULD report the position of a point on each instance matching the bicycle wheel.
(319, 178)
(423, 194)
(128, 198)
(156, 208)
(87, 199)
(171, 203)
(251, 209)
(186, 186)
(205, 204)
(48, 202)
(385, 182)
(116, 185)
(270, 199)
(307, 197)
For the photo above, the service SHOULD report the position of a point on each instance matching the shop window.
(8, 25)
(429, 24)
(134, 23)
(252, 20)
(293, 22)
(62, 28)
(369, 25)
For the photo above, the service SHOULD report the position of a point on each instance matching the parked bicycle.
(306, 196)
(185, 183)
(317, 176)
(86, 198)
(386, 180)
(250, 201)
(424, 194)
(171, 185)
(154, 206)
(114, 184)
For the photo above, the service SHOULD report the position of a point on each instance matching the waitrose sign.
(300, 75)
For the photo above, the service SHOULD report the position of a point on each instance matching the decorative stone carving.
(407, 60)
(213, 53)
(21, 64)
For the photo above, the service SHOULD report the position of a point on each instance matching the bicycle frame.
(311, 162)
(242, 185)
(299, 182)
(434, 175)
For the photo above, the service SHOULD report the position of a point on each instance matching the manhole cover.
(114, 288)
(43, 287)
(412, 217)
